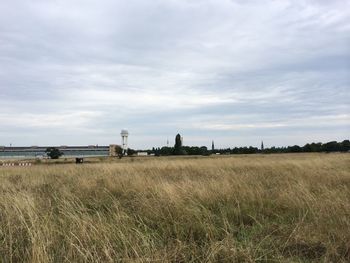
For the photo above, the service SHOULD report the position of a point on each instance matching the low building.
(114, 150)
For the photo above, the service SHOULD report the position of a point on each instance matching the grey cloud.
(159, 67)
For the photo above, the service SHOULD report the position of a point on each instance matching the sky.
(76, 72)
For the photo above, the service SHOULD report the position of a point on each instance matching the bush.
(53, 153)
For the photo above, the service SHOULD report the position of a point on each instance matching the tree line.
(178, 149)
(332, 146)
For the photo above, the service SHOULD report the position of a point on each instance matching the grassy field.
(258, 208)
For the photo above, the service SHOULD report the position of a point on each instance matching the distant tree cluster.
(178, 149)
(332, 146)
(184, 150)
(53, 153)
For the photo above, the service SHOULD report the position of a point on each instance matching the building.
(114, 150)
(40, 151)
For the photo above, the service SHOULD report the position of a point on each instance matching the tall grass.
(267, 208)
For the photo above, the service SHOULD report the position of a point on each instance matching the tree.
(53, 153)
(119, 151)
(131, 152)
(178, 145)
(332, 146)
(166, 150)
(204, 150)
(294, 149)
(345, 146)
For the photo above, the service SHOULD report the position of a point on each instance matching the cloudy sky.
(75, 72)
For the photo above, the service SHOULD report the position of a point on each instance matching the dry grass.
(269, 208)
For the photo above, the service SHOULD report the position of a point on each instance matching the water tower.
(124, 135)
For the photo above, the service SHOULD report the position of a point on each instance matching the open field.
(267, 208)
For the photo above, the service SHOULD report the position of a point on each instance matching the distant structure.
(39, 152)
(167, 142)
(124, 134)
(178, 141)
(212, 146)
(262, 145)
(114, 150)
(178, 145)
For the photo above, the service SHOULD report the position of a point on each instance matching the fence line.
(22, 164)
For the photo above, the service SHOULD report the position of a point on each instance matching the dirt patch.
(305, 250)
(344, 251)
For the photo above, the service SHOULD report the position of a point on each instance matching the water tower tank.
(124, 134)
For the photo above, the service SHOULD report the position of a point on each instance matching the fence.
(22, 164)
